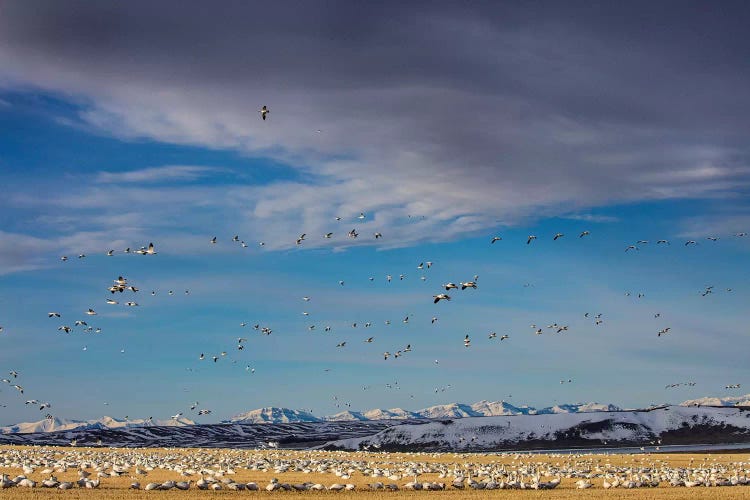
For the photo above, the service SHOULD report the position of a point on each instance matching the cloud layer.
(458, 118)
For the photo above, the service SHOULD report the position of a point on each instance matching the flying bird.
(441, 296)
(263, 112)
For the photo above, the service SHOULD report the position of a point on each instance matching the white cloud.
(155, 174)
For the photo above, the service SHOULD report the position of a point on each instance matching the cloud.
(155, 174)
(726, 225)
(469, 119)
(592, 217)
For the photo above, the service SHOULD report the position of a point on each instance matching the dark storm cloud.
(471, 109)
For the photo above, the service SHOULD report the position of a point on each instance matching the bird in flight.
(263, 112)
(441, 296)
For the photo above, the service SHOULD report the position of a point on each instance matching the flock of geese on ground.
(234, 469)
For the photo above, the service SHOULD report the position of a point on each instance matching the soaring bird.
(584, 233)
(558, 235)
(53, 314)
(468, 284)
(441, 296)
(690, 242)
(495, 238)
(530, 239)
(467, 341)
(448, 286)
(263, 112)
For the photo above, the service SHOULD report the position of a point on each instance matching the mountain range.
(665, 426)
(60, 424)
(450, 410)
(275, 415)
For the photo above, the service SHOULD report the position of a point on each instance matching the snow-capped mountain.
(495, 408)
(58, 424)
(719, 401)
(578, 408)
(346, 416)
(392, 414)
(451, 410)
(273, 415)
(462, 410)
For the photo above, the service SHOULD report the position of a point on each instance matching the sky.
(444, 124)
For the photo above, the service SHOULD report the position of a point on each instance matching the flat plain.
(363, 469)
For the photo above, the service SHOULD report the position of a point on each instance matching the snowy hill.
(668, 425)
(273, 415)
(718, 401)
(58, 424)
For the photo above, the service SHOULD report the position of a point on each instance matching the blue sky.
(499, 120)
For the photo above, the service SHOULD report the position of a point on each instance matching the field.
(327, 468)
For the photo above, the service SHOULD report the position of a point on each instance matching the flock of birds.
(241, 470)
(122, 285)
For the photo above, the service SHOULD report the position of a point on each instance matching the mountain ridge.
(278, 415)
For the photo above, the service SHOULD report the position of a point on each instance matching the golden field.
(237, 461)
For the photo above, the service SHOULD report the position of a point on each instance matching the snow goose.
(440, 296)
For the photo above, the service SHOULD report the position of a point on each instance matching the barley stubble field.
(230, 468)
